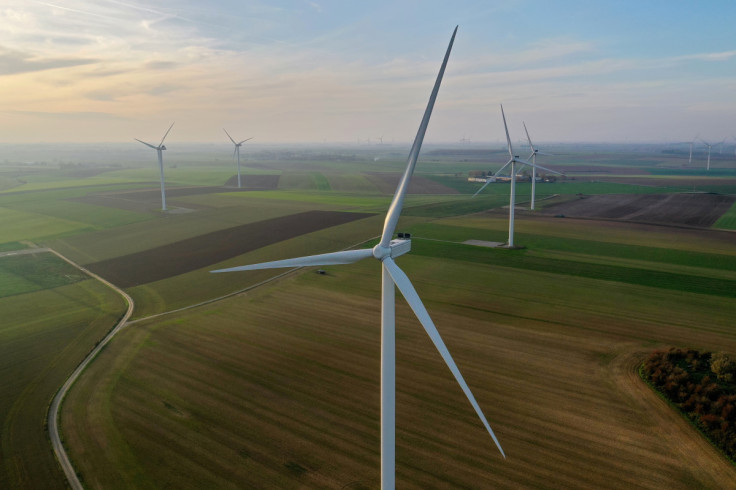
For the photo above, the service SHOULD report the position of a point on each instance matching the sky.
(315, 71)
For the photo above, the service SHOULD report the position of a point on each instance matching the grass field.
(278, 387)
(20, 274)
(37, 352)
(728, 220)
(548, 355)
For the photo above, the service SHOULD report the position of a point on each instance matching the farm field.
(38, 351)
(676, 209)
(280, 384)
(550, 355)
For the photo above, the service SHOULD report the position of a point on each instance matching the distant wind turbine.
(533, 156)
(392, 276)
(513, 161)
(237, 151)
(159, 149)
(707, 166)
(690, 160)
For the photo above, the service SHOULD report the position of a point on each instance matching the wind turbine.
(160, 148)
(707, 166)
(533, 156)
(237, 151)
(392, 277)
(513, 161)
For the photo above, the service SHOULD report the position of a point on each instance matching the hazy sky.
(339, 70)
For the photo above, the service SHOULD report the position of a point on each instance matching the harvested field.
(598, 169)
(84, 173)
(254, 182)
(295, 397)
(147, 199)
(684, 182)
(387, 182)
(200, 251)
(673, 209)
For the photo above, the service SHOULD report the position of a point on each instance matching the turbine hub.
(380, 252)
(395, 248)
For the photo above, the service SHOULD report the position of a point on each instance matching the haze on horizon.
(326, 70)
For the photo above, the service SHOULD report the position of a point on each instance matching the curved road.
(53, 414)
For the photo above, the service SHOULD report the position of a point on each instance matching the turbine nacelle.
(396, 248)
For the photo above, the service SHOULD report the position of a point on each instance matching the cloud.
(12, 62)
(71, 115)
(159, 65)
(718, 56)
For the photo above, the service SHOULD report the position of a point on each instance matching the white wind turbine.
(533, 156)
(159, 149)
(392, 277)
(690, 160)
(707, 166)
(513, 161)
(237, 150)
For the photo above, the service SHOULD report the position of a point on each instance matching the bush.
(702, 386)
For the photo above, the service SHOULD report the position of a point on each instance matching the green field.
(20, 274)
(278, 387)
(547, 354)
(44, 334)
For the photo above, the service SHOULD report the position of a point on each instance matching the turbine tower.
(513, 161)
(159, 149)
(533, 157)
(237, 151)
(392, 277)
(690, 160)
(707, 165)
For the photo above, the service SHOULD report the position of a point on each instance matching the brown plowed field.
(673, 209)
(682, 182)
(598, 169)
(387, 182)
(200, 251)
(254, 182)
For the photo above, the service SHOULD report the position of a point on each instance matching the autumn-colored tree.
(722, 367)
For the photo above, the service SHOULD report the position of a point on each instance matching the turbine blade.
(147, 144)
(545, 154)
(228, 135)
(167, 133)
(407, 290)
(508, 138)
(334, 258)
(537, 166)
(484, 186)
(394, 211)
(528, 138)
(245, 140)
(506, 165)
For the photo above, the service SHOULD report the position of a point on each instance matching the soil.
(701, 210)
(204, 250)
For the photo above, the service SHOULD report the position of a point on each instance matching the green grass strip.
(587, 247)
(521, 259)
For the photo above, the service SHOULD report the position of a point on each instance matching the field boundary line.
(240, 291)
(52, 416)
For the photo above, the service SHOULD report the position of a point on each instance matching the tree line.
(702, 386)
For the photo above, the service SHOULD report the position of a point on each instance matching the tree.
(722, 366)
